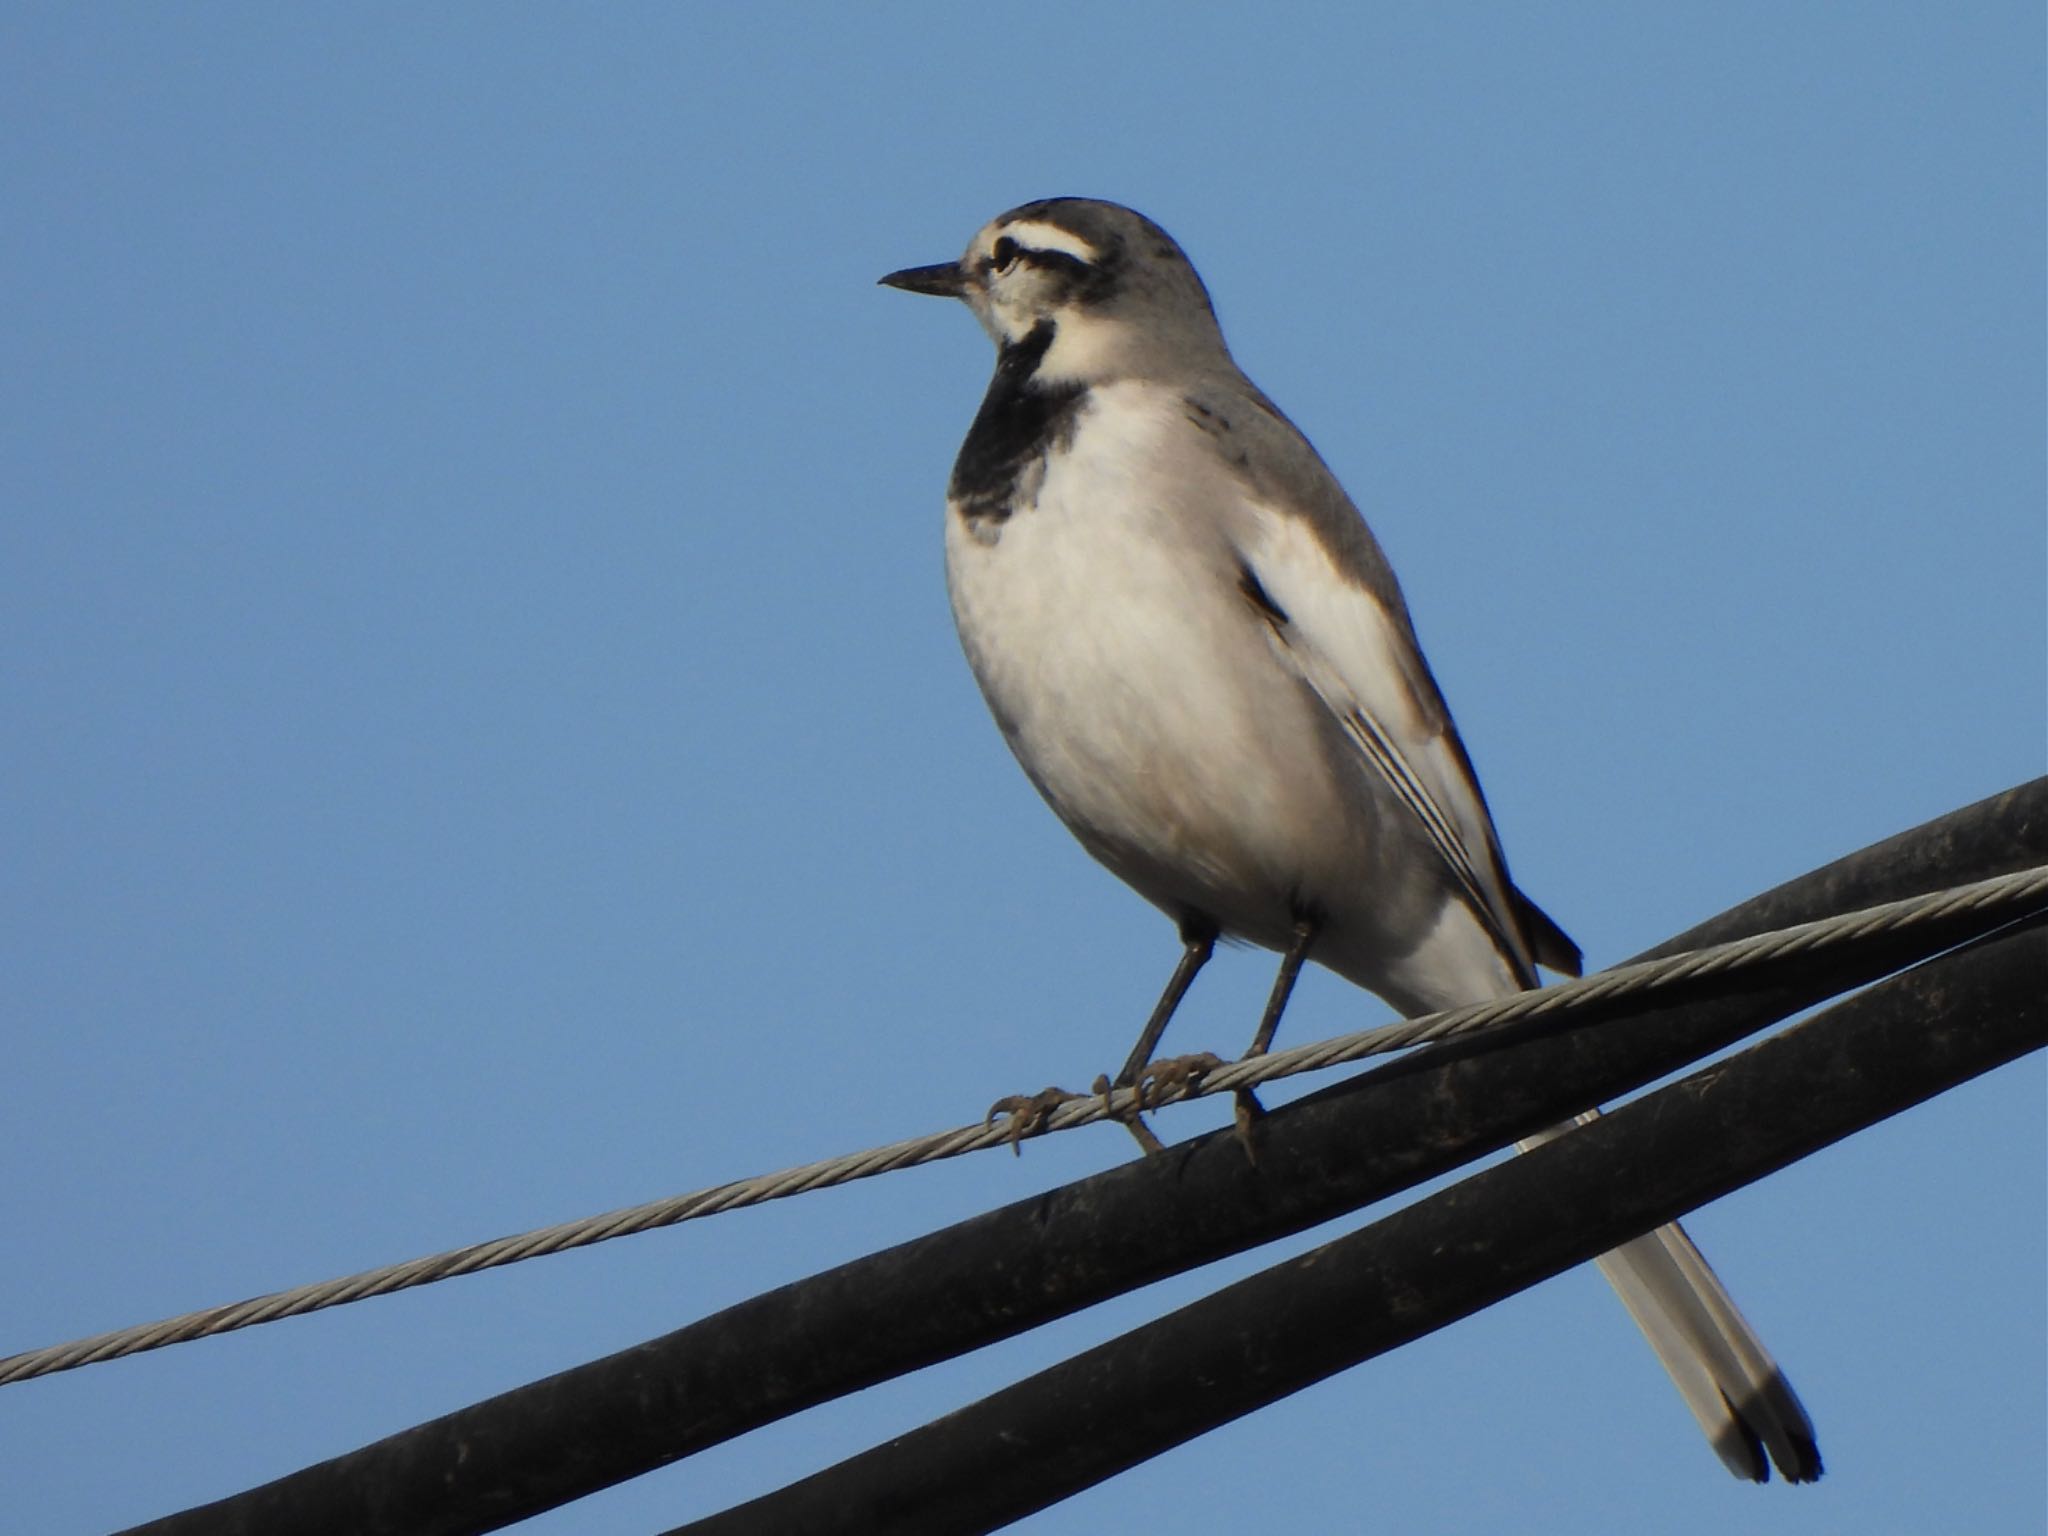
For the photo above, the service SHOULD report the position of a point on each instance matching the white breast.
(1104, 622)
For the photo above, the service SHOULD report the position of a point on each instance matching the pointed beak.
(946, 280)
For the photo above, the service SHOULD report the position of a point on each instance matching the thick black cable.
(1434, 1262)
(996, 1275)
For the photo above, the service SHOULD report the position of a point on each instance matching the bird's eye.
(1005, 254)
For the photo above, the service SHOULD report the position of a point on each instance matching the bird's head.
(1115, 292)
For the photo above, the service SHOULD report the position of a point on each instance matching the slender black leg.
(1198, 938)
(1305, 933)
(1247, 1111)
(1198, 942)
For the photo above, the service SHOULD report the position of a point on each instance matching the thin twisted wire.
(2006, 896)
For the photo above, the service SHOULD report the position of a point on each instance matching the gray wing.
(1338, 619)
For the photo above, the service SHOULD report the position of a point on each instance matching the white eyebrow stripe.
(1036, 235)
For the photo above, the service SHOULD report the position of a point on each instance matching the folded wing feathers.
(1386, 757)
(1358, 656)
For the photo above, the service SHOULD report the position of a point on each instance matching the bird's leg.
(1248, 1110)
(1026, 1112)
(1305, 931)
(1198, 942)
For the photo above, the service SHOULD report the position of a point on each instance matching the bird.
(1202, 660)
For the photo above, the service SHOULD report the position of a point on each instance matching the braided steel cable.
(1995, 900)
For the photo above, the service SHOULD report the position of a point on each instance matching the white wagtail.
(1195, 648)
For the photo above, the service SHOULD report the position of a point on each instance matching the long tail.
(1728, 1379)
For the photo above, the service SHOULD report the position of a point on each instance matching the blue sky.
(486, 742)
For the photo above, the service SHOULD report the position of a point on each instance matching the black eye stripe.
(1007, 253)
(1053, 261)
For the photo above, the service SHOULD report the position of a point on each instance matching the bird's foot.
(1153, 1084)
(1171, 1072)
(1131, 1119)
(1027, 1113)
